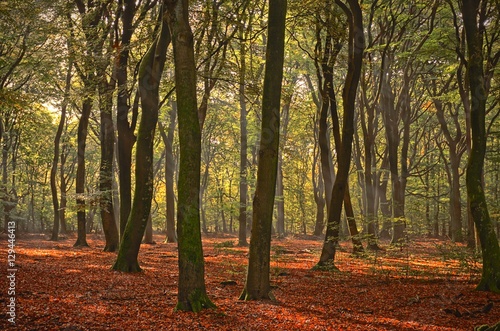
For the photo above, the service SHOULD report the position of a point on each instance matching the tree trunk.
(80, 172)
(150, 71)
(257, 284)
(280, 198)
(168, 140)
(107, 138)
(317, 174)
(55, 161)
(64, 190)
(148, 234)
(490, 279)
(192, 294)
(242, 218)
(356, 47)
(126, 138)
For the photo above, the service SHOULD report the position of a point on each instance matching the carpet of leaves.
(59, 287)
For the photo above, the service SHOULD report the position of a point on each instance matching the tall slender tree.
(355, 59)
(55, 160)
(257, 284)
(192, 294)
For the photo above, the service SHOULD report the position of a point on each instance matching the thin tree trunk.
(107, 138)
(55, 161)
(126, 138)
(356, 47)
(243, 187)
(80, 172)
(168, 140)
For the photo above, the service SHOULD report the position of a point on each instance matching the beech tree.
(150, 72)
(474, 18)
(257, 285)
(170, 163)
(91, 14)
(191, 289)
(55, 160)
(355, 57)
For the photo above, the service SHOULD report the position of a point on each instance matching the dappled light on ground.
(427, 285)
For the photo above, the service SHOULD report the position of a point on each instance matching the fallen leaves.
(63, 288)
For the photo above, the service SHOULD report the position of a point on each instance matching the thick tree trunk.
(257, 284)
(192, 294)
(490, 279)
(150, 72)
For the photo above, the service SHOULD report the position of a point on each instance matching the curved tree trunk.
(356, 47)
(150, 72)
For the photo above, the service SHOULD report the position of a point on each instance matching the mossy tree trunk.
(192, 294)
(150, 71)
(257, 284)
(356, 48)
(474, 30)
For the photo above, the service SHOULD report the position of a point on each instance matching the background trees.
(412, 134)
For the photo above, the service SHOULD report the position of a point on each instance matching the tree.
(105, 90)
(191, 289)
(168, 140)
(150, 72)
(257, 284)
(55, 161)
(474, 31)
(355, 58)
(126, 138)
(91, 15)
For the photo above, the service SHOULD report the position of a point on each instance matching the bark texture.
(257, 284)
(150, 72)
(356, 48)
(192, 294)
(490, 279)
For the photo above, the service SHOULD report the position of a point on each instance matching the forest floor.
(427, 285)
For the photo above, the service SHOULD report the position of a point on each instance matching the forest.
(250, 165)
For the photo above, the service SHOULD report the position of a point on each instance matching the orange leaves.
(60, 287)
